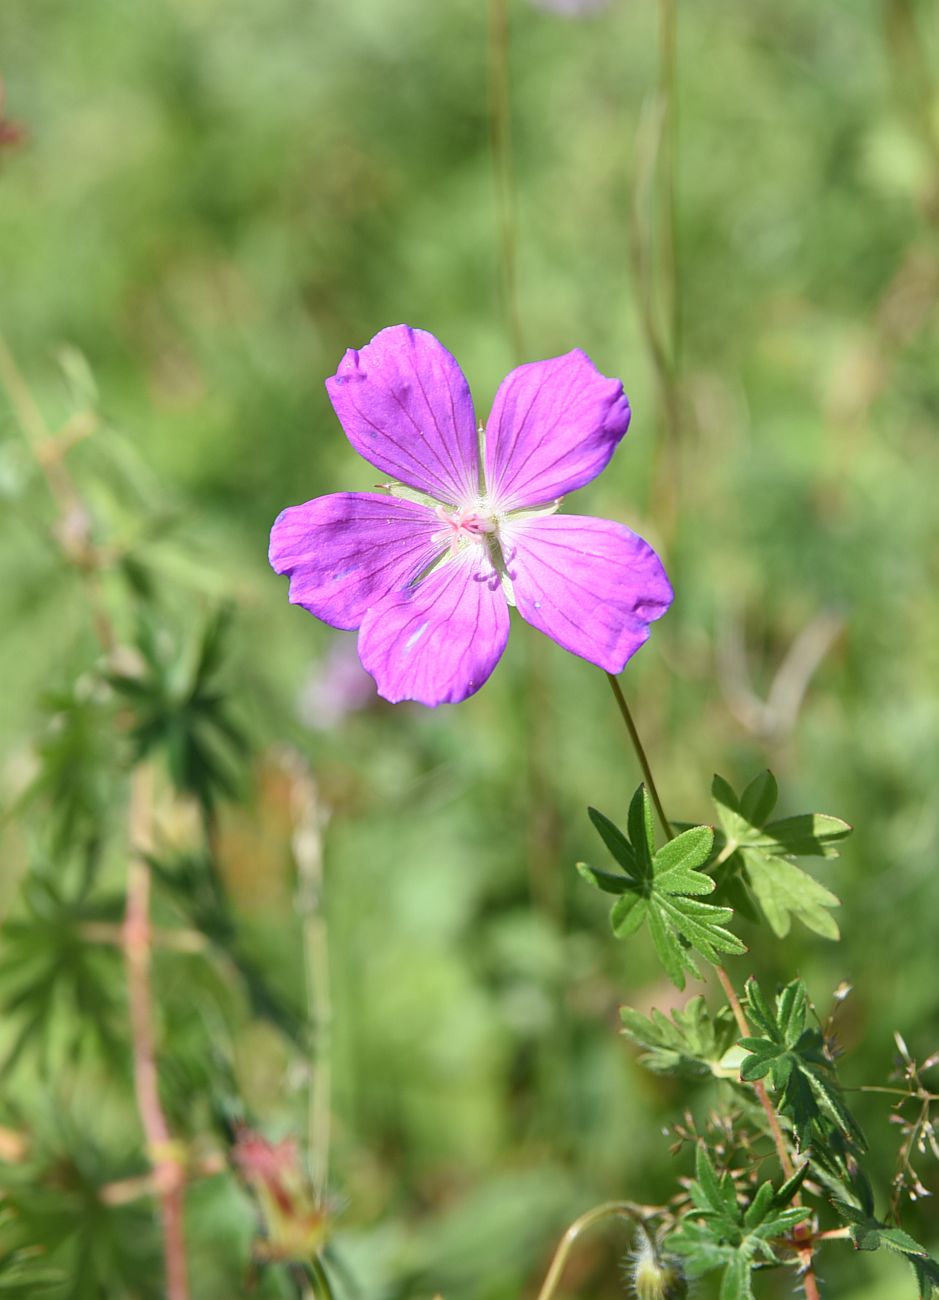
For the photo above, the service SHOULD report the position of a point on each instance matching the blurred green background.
(211, 202)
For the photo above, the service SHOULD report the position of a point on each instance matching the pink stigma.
(461, 525)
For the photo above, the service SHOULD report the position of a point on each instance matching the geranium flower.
(427, 570)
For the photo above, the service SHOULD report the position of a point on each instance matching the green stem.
(608, 1210)
(322, 1286)
(500, 128)
(640, 753)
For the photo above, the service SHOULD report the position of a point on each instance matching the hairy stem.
(168, 1168)
(308, 855)
(608, 1210)
(772, 1119)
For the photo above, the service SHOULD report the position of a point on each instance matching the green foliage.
(663, 889)
(759, 852)
(799, 1066)
(77, 765)
(58, 988)
(23, 1271)
(690, 1045)
(59, 1215)
(721, 1232)
(191, 883)
(179, 710)
(869, 1233)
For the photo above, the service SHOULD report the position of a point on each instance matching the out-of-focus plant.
(143, 739)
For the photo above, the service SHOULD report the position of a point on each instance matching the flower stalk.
(803, 1240)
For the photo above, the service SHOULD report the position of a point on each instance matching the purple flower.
(427, 573)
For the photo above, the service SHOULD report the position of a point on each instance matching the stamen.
(462, 525)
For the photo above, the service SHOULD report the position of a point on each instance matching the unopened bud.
(656, 1276)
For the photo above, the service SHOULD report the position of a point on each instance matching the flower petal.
(589, 584)
(438, 642)
(406, 407)
(554, 426)
(346, 551)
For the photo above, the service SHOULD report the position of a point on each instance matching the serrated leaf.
(683, 853)
(801, 1073)
(927, 1276)
(641, 826)
(709, 1192)
(760, 852)
(616, 842)
(733, 823)
(690, 1044)
(759, 799)
(720, 1233)
(791, 1186)
(607, 881)
(671, 954)
(869, 1233)
(735, 1284)
(807, 835)
(628, 914)
(664, 887)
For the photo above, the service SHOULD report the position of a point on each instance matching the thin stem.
(168, 1169)
(72, 531)
(608, 1210)
(668, 79)
(759, 1087)
(500, 134)
(308, 855)
(640, 753)
(804, 1247)
(809, 1281)
(321, 1283)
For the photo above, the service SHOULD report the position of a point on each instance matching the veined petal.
(589, 584)
(406, 407)
(438, 642)
(346, 551)
(554, 426)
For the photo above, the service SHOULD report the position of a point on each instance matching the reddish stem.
(809, 1281)
(168, 1171)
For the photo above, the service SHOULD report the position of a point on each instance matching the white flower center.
(468, 524)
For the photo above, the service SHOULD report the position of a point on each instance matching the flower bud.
(654, 1276)
(294, 1222)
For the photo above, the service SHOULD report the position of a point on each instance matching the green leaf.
(759, 799)
(806, 836)
(869, 1233)
(927, 1276)
(685, 852)
(616, 842)
(607, 881)
(690, 1045)
(796, 1061)
(759, 854)
(628, 914)
(735, 1284)
(178, 710)
(663, 887)
(718, 1232)
(641, 826)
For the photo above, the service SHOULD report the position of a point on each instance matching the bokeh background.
(207, 203)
